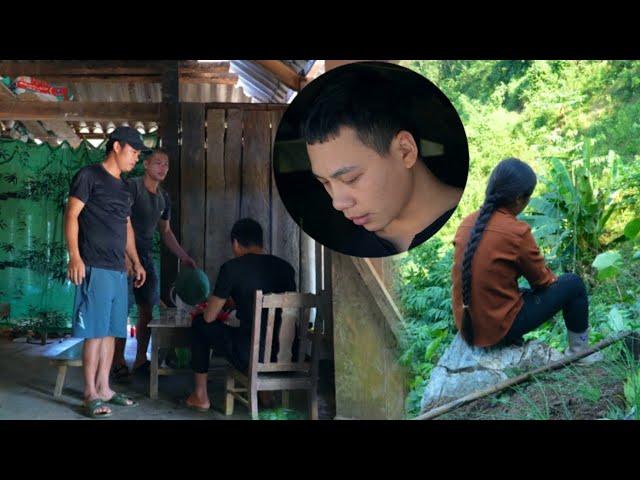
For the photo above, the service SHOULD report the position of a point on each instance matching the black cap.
(130, 136)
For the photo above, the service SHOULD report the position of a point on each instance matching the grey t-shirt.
(147, 209)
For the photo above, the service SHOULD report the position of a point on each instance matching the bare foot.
(105, 395)
(101, 410)
(194, 401)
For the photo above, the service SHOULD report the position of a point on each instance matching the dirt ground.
(27, 380)
(574, 393)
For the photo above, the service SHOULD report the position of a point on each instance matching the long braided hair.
(510, 179)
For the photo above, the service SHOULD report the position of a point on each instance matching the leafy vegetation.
(576, 123)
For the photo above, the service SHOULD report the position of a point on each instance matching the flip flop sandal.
(92, 408)
(123, 400)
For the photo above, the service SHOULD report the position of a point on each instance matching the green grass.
(281, 414)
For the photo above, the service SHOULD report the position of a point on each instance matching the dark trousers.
(228, 342)
(568, 294)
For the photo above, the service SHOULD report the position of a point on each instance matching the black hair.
(110, 142)
(247, 232)
(375, 105)
(510, 179)
(158, 151)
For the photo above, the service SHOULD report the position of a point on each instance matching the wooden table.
(171, 330)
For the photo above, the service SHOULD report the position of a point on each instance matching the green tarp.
(34, 184)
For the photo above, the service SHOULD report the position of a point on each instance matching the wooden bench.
(168, 331)
(71, 357)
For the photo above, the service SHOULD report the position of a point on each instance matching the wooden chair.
(286, 373)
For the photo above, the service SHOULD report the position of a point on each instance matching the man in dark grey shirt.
(151, 210)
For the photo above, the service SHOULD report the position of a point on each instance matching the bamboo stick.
(447, 407)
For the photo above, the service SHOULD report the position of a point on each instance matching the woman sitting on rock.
(492, 250)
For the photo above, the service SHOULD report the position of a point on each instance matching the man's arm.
(214, 306)
(169, 239)
(129, 264)
(75, 268)
(132, 253)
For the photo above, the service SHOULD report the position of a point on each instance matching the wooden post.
(62, 373)
(153, 380)
(192, 181)
(230, 385)
(370, 383)
(168, 131)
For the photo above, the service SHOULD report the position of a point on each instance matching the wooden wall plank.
(78, 111)
(256, 172)
(216, 236)
(192, 181)
(285, 233)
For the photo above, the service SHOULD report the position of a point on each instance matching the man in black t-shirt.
(98, 232)
(239, 279)
(364, 146)
(150, 211)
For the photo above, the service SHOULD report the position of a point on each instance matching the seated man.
(238, 279)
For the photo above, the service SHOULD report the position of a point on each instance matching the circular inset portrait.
(371, 159)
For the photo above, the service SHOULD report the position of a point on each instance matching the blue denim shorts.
(100, 305)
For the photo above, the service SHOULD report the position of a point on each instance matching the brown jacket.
(506, 250)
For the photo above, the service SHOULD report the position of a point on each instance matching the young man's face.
(369, 189)
(157, 166)
(126, 157)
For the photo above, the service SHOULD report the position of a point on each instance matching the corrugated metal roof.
(152, 92)
(261, 84)
(255, 84)
(209, 93)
